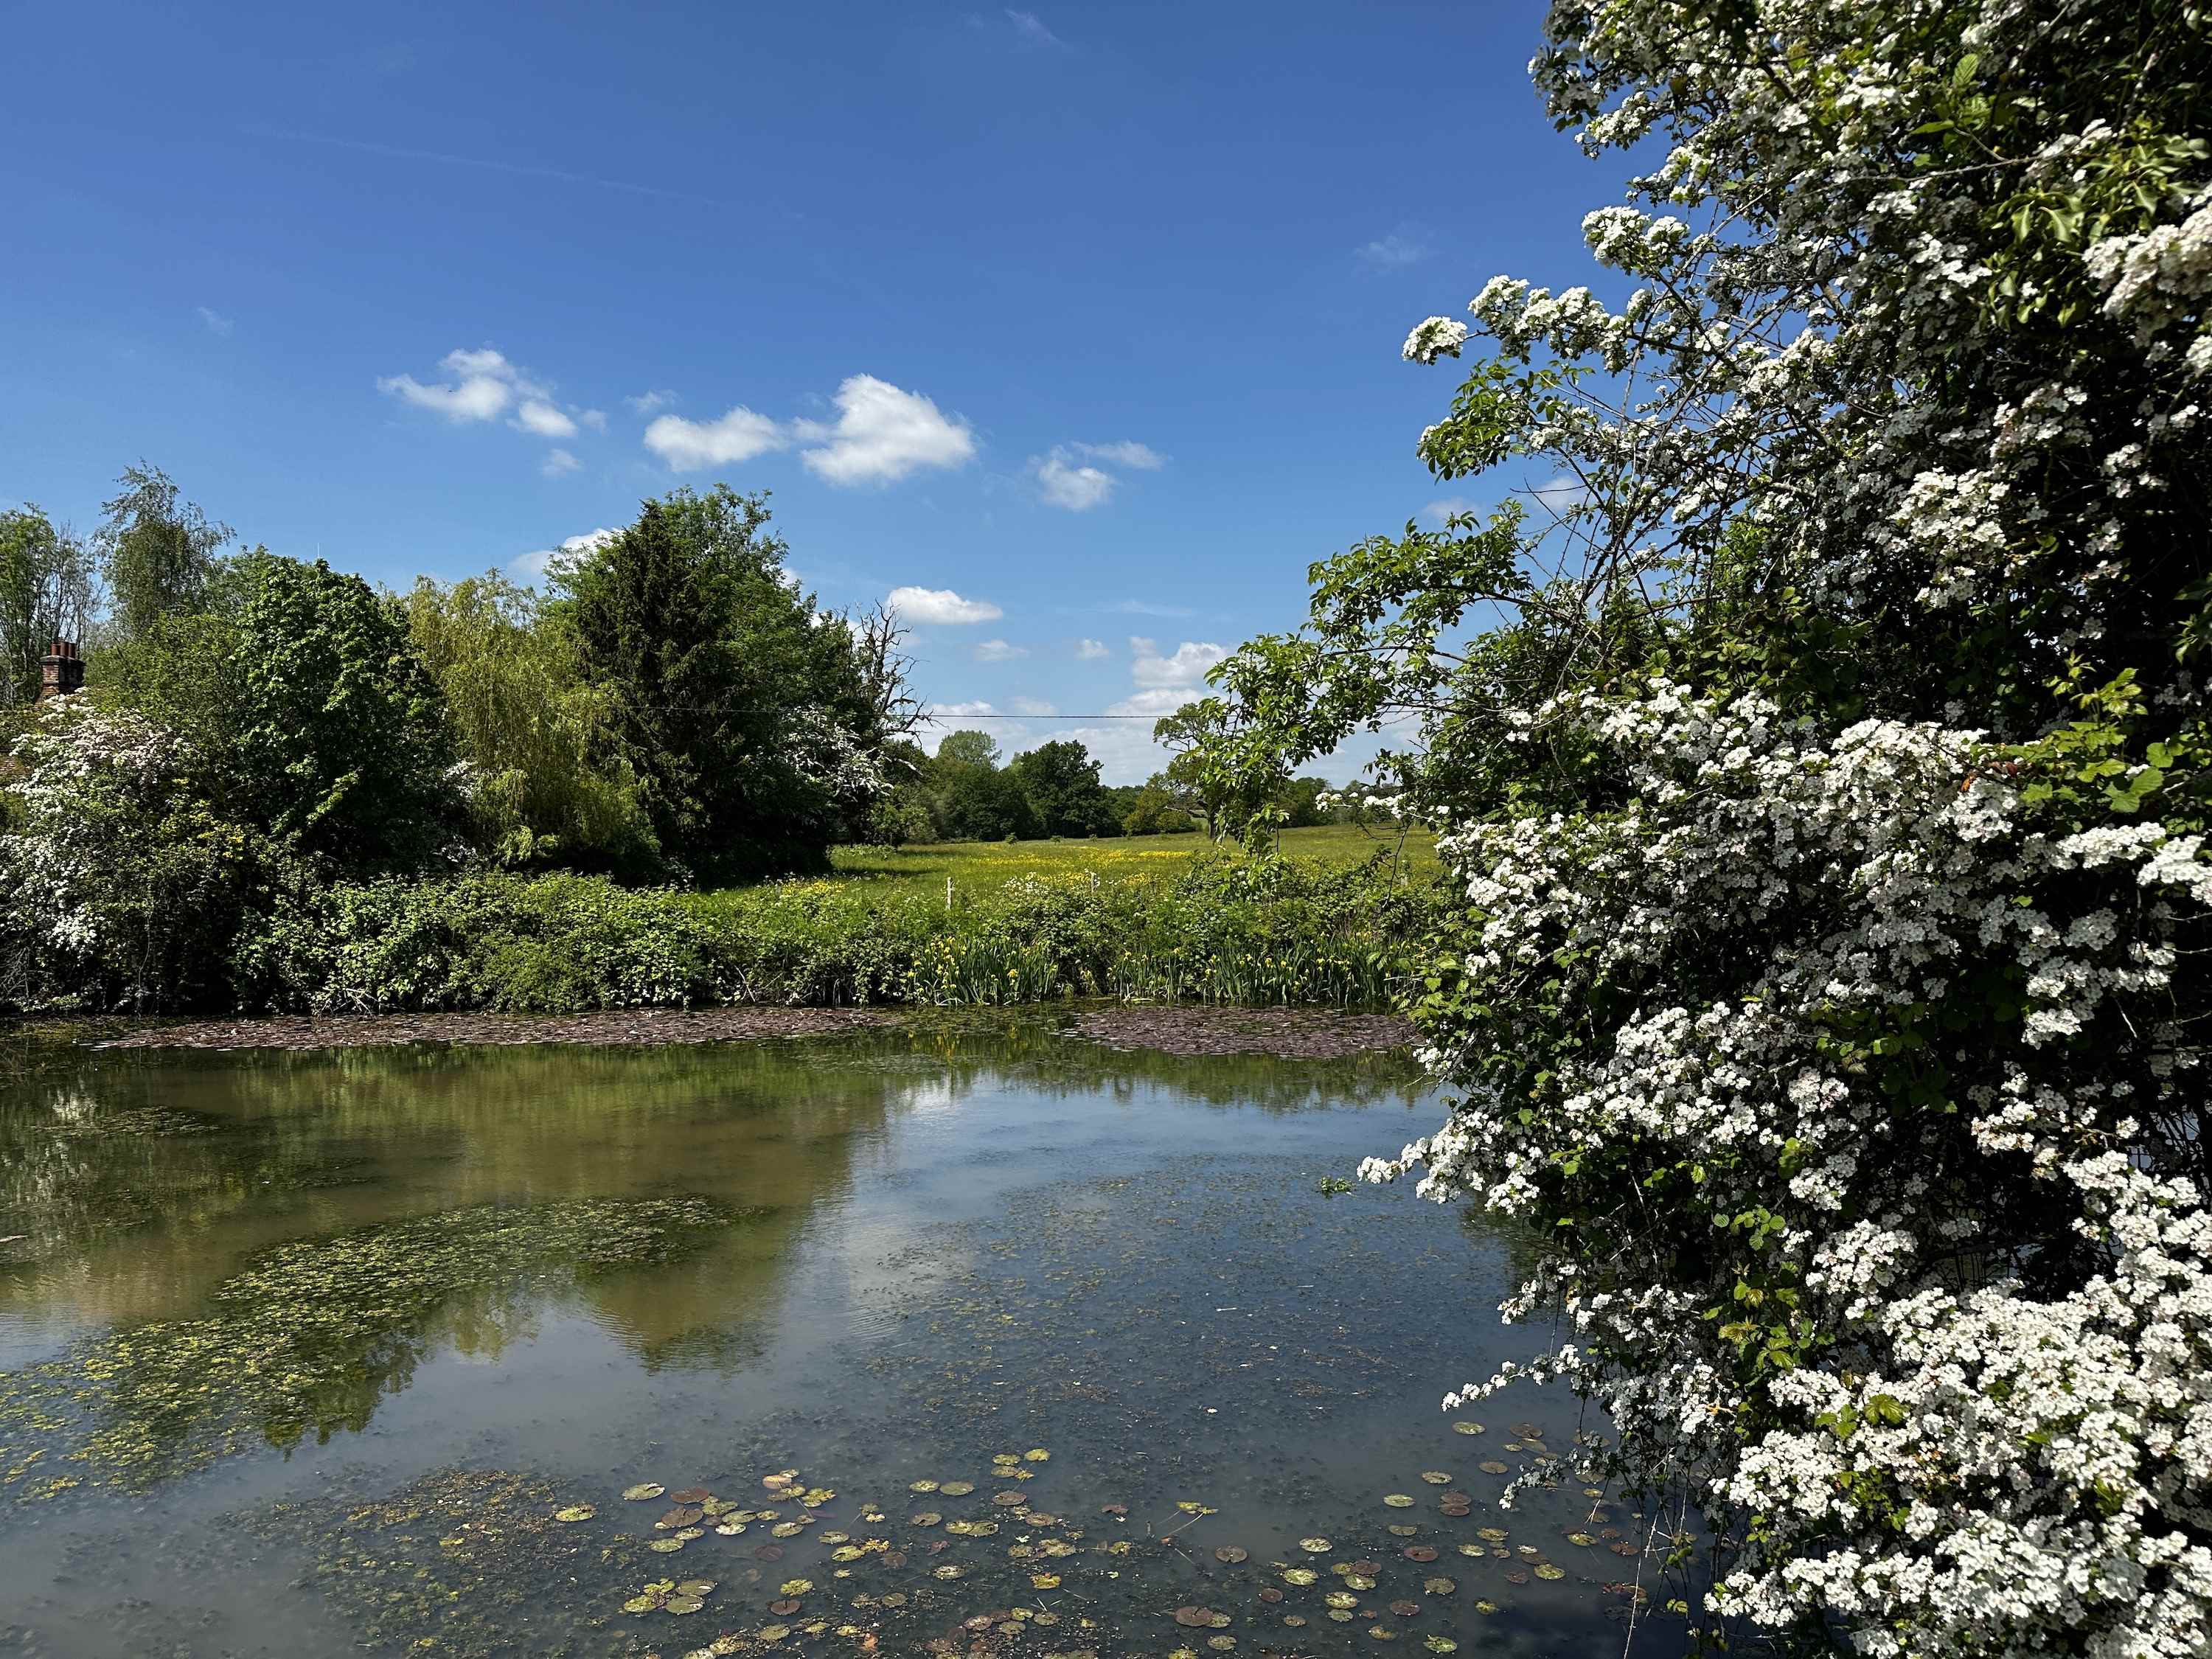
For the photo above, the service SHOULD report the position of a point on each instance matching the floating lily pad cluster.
(976, 1561)
(980, 1566)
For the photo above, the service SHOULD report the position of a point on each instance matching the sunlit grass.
(976, 864)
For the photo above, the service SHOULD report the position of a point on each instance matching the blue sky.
(1081, 325)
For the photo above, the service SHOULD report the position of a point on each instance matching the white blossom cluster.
(1794, 277)
(1982, 1455)
(80, 770)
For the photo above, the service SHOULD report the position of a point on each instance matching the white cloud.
(1143, 457)
(1160, 700)
(688, 446)
(1030, 30)
(1066, 481)
(536, 416)
(1559, 493)
(1446, 507)
(594, 418)
(1077, 488)
(215, 322)
(939, 605)
(942, 712)
(1186, 666)
(558, 462)
(1090, 650)
(881, 434)
(1033, 706)
(1000, 651)
(484, 383)
(1395, 251)
(1146, 608)
(646, 403)
(532, 567)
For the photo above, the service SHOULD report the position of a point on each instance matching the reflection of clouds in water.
(933, 1096)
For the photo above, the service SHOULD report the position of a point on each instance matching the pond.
(941, 1336)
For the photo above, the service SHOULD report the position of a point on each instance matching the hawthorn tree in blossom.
(1822, 744)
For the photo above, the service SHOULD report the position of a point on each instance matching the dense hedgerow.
(1267, 931)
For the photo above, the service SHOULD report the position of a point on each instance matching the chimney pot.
(61, 671)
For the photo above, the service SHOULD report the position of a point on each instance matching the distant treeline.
(963, 793)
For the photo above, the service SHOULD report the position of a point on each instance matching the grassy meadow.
(975, 867)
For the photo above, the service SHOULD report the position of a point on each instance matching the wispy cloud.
(1149, 607)
(648, 402)
(1033, 706)
(1446, 507)
(214, 321)
(1029, 28)
(881, 434)
(1092, 650)
(1401, 248)
(1128, 452)
(558, 462)
(738, 436)
(1000, 651)
(939, 605)
(481, 163)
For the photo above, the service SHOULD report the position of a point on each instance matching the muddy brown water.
(302, 1354)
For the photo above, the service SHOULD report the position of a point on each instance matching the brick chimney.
(61, 671)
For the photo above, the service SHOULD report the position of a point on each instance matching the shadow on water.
(344, 1332)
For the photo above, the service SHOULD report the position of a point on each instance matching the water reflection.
(303, 1291)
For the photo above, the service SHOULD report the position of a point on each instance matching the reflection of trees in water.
(78, 1163)
(215, 1161)
(314, 1333)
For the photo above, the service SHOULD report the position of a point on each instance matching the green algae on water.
(309, 1338)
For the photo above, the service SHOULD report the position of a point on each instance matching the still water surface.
(305, 1352)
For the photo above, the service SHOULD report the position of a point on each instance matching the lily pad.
(1546, 1570)
(1398, 1500)
(1230, 1553)
(639, 1494)
(957, 1488)
(1315, 1546)
(1492, 1467)
(681, 1604)
(1438, 1586)
(575, 1512)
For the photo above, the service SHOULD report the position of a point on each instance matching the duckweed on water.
(308, 1339)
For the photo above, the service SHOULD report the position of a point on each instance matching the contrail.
(520, 169)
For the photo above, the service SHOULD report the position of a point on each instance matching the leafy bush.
(1263, 932)
(120, 887)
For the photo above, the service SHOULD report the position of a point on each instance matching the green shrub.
(1268, 930)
